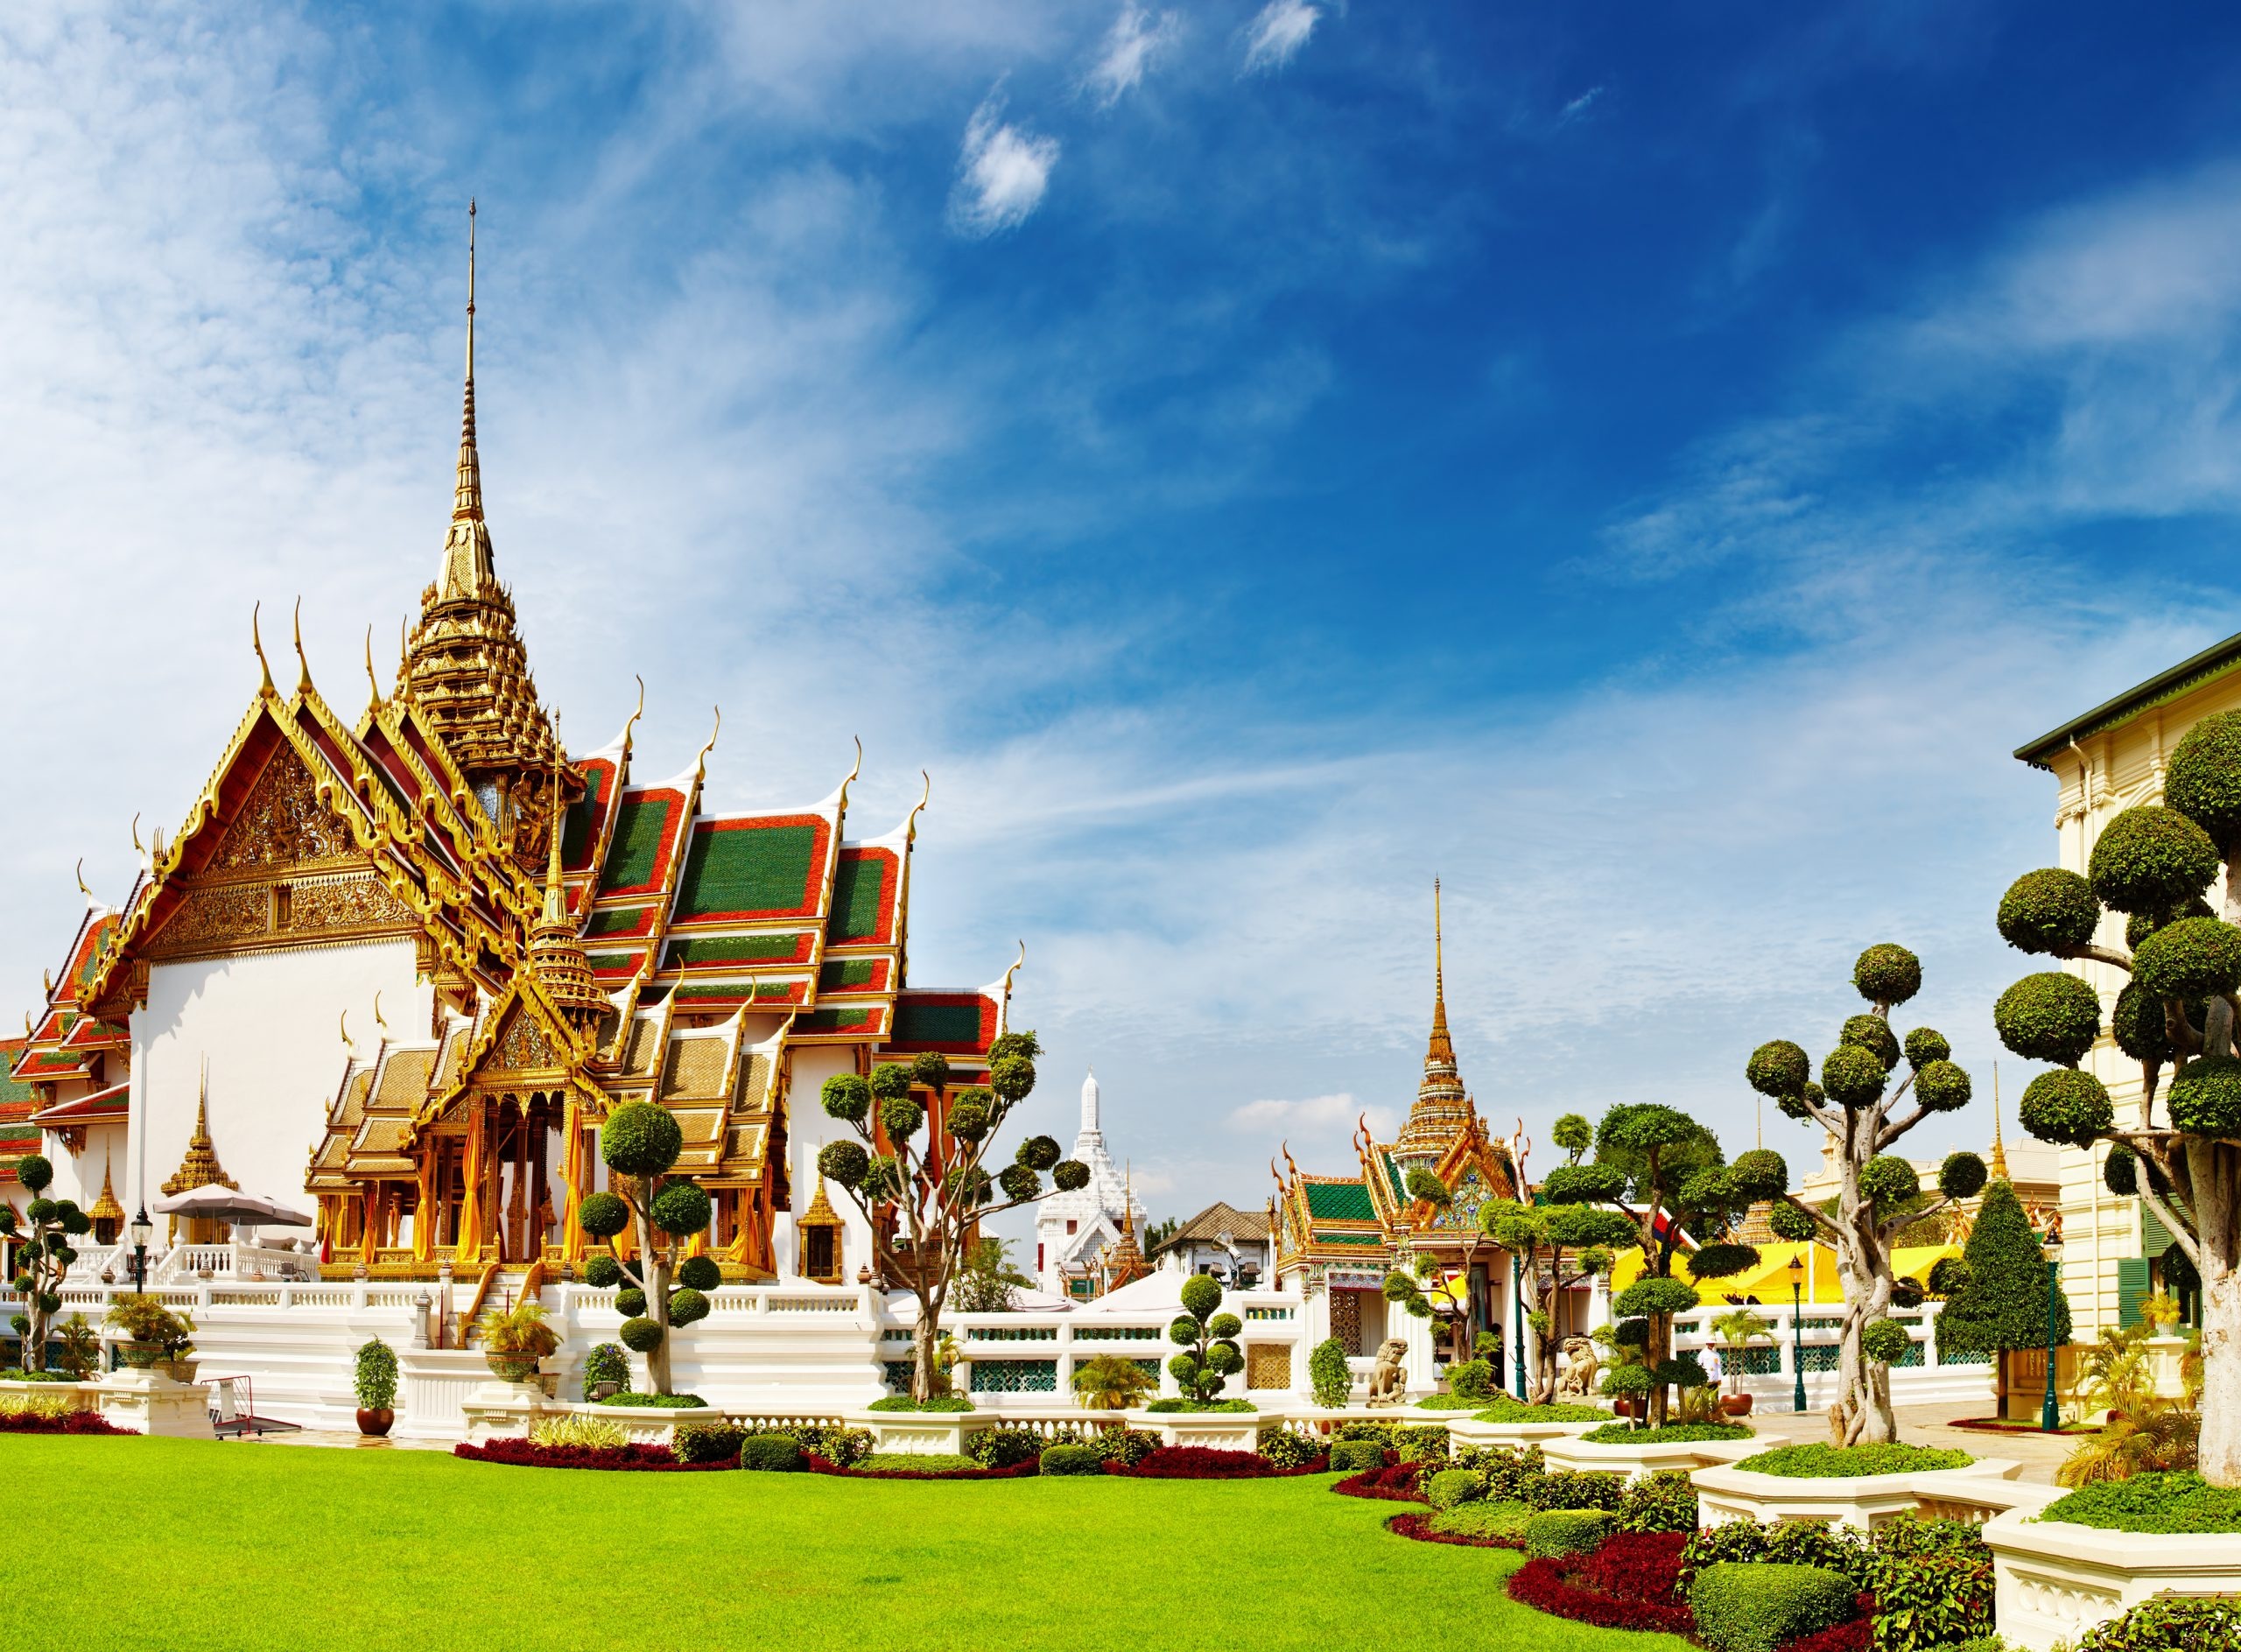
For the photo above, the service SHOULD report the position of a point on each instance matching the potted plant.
(1109, 1382)
(177, 1362)
(1737, 1329)
(514, 1338)
(146, 1328)
(376, 1382)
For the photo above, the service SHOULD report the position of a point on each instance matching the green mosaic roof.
(635, 851)
(1340, 1201)
(736, 949)
(855, 972)
(1348, 1238)
(856, 885)
(835, 1021)
(748, 869)
(937, 1023)
(621, 920)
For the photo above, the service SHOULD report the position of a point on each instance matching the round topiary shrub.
(602, 1216)
(1887, 973)
(1654, 1295)
(2193, 958)
(1760, 1173)
(2066, 1105)
(1453, 1486)
(1884, 1340)
(699, 1273)
(1757, 1605)
(2049, 910)
(845, 1163)
(602, 1272)
(1780, 1068)
(2150, 859)
(1962, 1175)
(847, 1096)
(1941, 1087)
(1722, 1261)
(1791, 1224)
(630, 1302)
(687, 1307)
(1889, 1179)
(639, 1139)
(2203, 780)
(2206, 1097)
(682, 1208)
(1554, 1532)
(1872, 1034)
(2136, 1024)
(1353, 1457)
(640, 1335)
(770, 1453)
(1073, 1459)
(2050, 1016)
(1853, 1077)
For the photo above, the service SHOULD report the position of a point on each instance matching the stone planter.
(177, 1370)
(140, 1356)
(1861, 1501)
(512, 1367)
(1467, 1432)
(921, 1433)
(375, 1422)
(1735, 1404)
(147, 1402)
(2055, 1581)
(1212, 1430)
(1634, 1461)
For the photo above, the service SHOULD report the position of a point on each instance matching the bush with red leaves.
(68, 1422)
(1394, 1485)
(1637, 1566)
(523, 1454)
(1856, 1637)
(1628, 1584)
(1199, 1462)
(1419, 1527)
(1013, 1470)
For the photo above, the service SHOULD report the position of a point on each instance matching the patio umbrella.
(225, 1205)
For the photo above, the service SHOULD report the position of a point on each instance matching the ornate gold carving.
(353, 904)
(211, 920)
(282, 822)
(522, 1047)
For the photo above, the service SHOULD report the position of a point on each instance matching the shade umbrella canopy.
(226, 1205)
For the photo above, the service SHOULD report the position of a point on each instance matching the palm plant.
(2145, 1432)
(1109, 1382)
(1738, 1329)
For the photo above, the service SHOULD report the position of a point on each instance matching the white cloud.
(1001, 172)
(1135, 39)
(1579, 106)
(1276, 33)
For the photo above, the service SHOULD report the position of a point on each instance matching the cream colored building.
(2105, 762)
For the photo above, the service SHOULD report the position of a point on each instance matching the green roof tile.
(1340, 1201)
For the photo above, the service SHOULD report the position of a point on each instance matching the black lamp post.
(1517, 1318)
(1797, 1334)
(143, 1231)
(2051, 1418)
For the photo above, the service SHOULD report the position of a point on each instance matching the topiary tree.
(1208, 1340)
(1329, 1374)
(1469, 1233)
(640, 1140)
(1997, 1300)
(2154, 864)
(1879, 1193)
(43, 1254)
(924, 1200)
(1554, 1248)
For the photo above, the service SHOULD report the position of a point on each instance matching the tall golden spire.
(468, 567)
(555, 953)
(1998, 1164)
(1442, 1106)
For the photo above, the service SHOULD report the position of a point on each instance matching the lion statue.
(1580, 1367)
(1389, 1382)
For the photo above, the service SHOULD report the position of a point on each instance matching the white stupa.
(1071, 1228)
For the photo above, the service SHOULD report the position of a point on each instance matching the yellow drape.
(424, 1213)
(470, 1216)
(572, 1156)
(369, 1240)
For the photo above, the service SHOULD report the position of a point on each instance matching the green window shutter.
(2154, 1237)
(2132, 1289)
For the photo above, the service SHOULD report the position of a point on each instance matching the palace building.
(396, 966)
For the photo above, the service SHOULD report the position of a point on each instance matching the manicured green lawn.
(193, 1546)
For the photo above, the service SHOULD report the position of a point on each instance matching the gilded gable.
(282, 822)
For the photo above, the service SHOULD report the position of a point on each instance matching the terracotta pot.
(375, 1422)
(141, 1356)
(512, 1367)
(1735, 1404)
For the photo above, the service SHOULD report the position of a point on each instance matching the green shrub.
(1507, 1470)
(706, 1442)
(376, 1376)
(1073, 1459)
(699, 1273)
(658, 1401)
(2050, 1016)
(1625, 1434)
(1932, 1579)
(1822, 1461)
(2170, 1623)
(1472, 1380)
(1284, 1448)
(1483, 1519)
(1424, 1442)
(1662, 1501)
(1172, 1405)
(1755, 1607)
(1327, 1373)
(770, 1453)
(1506, 1410)
(1554, 1533)
(1451, 1403)
(2177, 1501)
(641, 1335)
(933, 1402)
(1352, 1456)
(1358, 1429)
(1566, 1489)
(1129, 1446)
(1453, 1486)
(1003, 1447)
(842, 1447)
(605, 1363)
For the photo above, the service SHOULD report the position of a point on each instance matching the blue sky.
(1646, 466)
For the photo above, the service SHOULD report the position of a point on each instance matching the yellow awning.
(1770, 1280)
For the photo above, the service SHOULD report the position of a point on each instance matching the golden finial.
(554, 913)
(634, 715)
(347, 1043)
(855, 771)
(1015, 968)
(303, 665)
(136, 834)
(1999, 1165)
(257, 642)
(910, 826)
(378, 1022)
(373, 682)
(47, 981)
(82, 889)
(700, 763)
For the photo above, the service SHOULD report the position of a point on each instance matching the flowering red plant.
(525, 1454)
(68, 1422)
(1013, 1470)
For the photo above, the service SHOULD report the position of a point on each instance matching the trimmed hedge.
(2169, 1623)
(1927, 1582)
(520, 1453)
(1003, 1447)
(1073, 1459)
(658, 1401)
(1198, 1462)
(706, 1442)
(1555, 1532)
(1646, 1568)
(1394, 1485)
(1506, 1410)
(1453, 1486)
(67, 1422)
(2181, 1501)
(1755, 1606)
(1821, 1461)
(1352, 1456)
(938, 1402)
(1673, 1433)
(770, 1453)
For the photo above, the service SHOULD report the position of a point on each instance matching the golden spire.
(200, 1167)
(106, 1208)
(556, 954)
(1998, 1164)
(467, 502)
(1441, 1049)
(1442, 1106)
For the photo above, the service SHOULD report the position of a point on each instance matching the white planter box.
(150, 1403)
(1634, 1461)
(1213, 1431)
(1862, 1502)
(1467, 1432)
(921, 1433)
(2055, 1581)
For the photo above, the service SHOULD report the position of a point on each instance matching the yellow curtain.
(470, 1216)
(424, 1214)
(572, 1154)
(370, 1240)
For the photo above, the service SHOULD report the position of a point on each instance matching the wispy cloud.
(1276, 33)
(1136, 39)
(1003, 172)
(1579, 106)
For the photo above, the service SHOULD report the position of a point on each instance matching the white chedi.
(1071, 1229)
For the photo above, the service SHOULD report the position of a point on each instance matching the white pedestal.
(505, 1410)
(150, 1402)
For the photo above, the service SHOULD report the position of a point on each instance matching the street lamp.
(1517, 1319)
(1796, 1334)
(143, 1230)
(2050, 1416)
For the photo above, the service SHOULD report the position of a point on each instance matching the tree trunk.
(1660, 1350)
(653, 1269)
(2215, 1169)
(925, 1344)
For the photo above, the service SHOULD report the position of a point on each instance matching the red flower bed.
(1647, 1565)
(1638, 1566)
(1420, 1528)
(1856, 1637)
(1199, 1462)
(68, 1422)
(523, 1454)
(1016, 1471)
(1394, 1485)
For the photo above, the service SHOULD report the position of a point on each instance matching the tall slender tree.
(1556, 1246)
(43, 1254)
(1879, 1193)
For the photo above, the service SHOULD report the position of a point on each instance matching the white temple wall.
(808, 1129)
(78, 1175)
(270, 1025)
